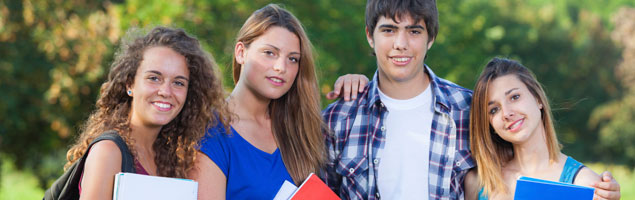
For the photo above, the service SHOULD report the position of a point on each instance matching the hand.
(351, 84)
(608, 188)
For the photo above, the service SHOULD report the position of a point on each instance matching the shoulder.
(103, 162)
(457, 96)
(341, 109)
(471, 184)
(215, 137)
(586, 177)
(106, 152)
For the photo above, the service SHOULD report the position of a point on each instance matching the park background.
(54, 54)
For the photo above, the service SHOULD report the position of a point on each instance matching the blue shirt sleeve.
(215, 145)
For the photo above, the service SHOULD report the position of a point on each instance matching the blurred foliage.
(617, 132)
(54, 54)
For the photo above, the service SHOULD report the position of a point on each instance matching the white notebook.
(136, 186)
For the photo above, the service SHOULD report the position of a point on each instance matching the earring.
(129, 92)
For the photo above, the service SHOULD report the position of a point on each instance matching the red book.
(314, 188)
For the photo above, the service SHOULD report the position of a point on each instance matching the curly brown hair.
(176, 143)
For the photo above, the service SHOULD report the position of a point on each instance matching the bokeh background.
(54, 54)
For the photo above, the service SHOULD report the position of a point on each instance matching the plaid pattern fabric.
(358, 134)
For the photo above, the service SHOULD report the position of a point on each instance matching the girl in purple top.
(160, 95)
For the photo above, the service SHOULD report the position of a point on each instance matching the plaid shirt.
(359, 133)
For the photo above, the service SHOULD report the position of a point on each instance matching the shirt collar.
(439, 97)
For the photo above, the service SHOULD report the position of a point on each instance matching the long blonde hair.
(176, 144)
(490, 150)
(295, 117)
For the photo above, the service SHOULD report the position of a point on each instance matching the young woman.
(512, 135)
(276, 134)
(160, 95)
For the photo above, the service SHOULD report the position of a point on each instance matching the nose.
(165, 90)
(401, 41)
(508, 113)
(280, 65)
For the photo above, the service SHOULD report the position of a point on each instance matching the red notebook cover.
(314, 188)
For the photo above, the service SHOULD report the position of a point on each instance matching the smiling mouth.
(400, 60)
(516, 125)
(276, 80)
(162, 106)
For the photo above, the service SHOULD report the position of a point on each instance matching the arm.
(471, 185)
(605, 186)
(351, 84)
(212, 182)
(102, 163)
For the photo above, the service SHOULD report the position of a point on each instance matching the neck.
(533, 155)
(144, 136)
(245, 103)
(407, 89)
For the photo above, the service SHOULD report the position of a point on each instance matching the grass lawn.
(17, 184)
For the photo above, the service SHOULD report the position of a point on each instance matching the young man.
(406, 135)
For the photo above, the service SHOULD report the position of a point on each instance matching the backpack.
(66, 186)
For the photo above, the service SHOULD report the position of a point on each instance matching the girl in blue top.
(512, 135)
(276, 133)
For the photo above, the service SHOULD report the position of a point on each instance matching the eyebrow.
(278, 49)
(159, 73)
(510, 91)
(506, 93)
(416, 26)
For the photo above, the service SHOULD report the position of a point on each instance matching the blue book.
(533, 188)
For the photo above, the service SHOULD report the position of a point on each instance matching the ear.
(239, 52)
(129, 91)
(430, 43)
(370, 39)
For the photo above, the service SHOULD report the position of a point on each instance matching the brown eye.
(493, 110)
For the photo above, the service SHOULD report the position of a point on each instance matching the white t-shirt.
(404, 160)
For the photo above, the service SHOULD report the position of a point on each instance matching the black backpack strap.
(127, 162)
(66, 186)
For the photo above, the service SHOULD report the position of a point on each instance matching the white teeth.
(400, 59)
(513, 126)
(162, 105)
(276, 80)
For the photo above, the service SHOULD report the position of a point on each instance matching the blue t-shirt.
(251, 173)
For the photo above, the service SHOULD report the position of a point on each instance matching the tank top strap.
(481, 194)
(570, 170)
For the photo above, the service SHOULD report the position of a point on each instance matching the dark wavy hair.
(425, 10)
(176, 143)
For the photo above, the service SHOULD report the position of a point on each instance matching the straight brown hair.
(295, 117)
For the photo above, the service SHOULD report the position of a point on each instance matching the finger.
(608, 184)
(604, 194)
(331, 95)
(607, 176)
(362, 84)
(354, 89)
(337, 87)
(347, 88)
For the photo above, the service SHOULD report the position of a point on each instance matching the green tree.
(51, 63)
(615, 118)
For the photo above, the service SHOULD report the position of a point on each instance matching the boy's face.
(400, 47)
